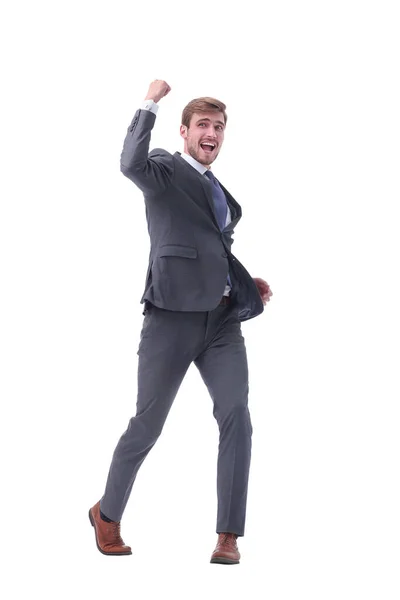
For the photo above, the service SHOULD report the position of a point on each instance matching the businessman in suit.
(196, 295)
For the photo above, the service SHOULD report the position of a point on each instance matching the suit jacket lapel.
(236, 211)
(204, 184)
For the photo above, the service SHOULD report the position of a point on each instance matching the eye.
(201, 124)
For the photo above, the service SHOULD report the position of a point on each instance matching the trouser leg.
(224, 369)
(163, 363)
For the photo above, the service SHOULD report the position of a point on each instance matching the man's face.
(204, 137)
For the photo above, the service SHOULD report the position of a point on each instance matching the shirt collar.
(194, 163)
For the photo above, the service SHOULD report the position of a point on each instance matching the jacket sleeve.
(151, 173)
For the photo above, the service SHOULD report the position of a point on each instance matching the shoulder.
(160, 153)
(162, 157)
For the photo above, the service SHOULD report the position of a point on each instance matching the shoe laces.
(115, 528)
(228, 539)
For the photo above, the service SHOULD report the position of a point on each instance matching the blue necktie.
(220, 204)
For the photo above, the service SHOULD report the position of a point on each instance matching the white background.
(312, 155)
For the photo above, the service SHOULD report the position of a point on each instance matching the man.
(196, 294)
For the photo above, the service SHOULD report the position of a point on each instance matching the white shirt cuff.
(150, 105)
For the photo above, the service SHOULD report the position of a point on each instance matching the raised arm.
(150, 174)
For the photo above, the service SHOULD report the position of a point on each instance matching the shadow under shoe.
(226, 551)
(108, 535)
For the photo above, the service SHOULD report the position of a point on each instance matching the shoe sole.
(97, 544)
(224, 561)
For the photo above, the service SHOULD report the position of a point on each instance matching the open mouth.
(208, 147)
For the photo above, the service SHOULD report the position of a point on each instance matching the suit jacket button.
(224, 254)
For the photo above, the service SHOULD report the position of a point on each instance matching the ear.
(183, 131)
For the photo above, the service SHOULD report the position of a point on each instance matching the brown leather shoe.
(226, 551)
(108, 535)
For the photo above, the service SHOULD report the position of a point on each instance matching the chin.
(203, 161)
(208, 160)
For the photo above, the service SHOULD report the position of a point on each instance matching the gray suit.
(185, 322)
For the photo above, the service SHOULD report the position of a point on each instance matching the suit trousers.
(170, 342)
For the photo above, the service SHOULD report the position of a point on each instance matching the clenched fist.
(157, 90)
(264, 289)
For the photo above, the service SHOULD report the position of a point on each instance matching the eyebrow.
(209, 120)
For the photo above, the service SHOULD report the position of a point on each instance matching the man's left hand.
(264, 289)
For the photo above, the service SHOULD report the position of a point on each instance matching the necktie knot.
(210, 175)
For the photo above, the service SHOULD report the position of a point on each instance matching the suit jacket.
(189, 255)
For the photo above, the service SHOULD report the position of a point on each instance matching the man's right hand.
(157, 90)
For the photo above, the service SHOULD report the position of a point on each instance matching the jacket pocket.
(174, 250)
